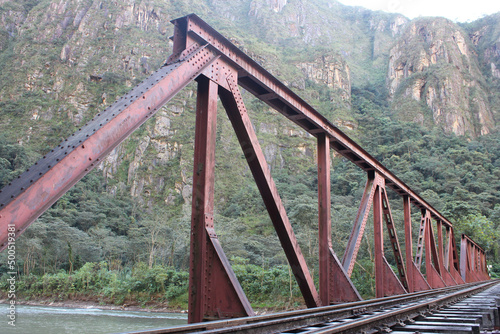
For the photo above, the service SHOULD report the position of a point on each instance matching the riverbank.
(90, 304)
(85, 304)
(161, 289)
(93, 304)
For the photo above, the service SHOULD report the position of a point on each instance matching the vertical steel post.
(452, 256)
(214, 290)
(386, 281)
(440, 245)
(325, 223)
(447, 252)
(202, 203)
(432, 266)
(335, 286)
(416, 281)
(378, 243)
(464, 265)
(393, 239)
(408, 243)
(445, 273)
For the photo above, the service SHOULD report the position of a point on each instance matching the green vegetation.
(121, 235)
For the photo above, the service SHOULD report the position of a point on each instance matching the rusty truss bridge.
(200, 53)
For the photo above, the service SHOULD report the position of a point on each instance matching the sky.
(455, 10)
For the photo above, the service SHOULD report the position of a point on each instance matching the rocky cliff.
(434, 76)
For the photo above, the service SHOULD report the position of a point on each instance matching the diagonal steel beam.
(237, 113)
(416, 281)
(393, 238)
(420, 242)
(351, 252)
(432, 266)
(443, 267)
(386, 282)
(27, 197)
(452, 256)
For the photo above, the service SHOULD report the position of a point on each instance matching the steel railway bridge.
(200, 53)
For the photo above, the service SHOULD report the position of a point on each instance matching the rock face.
(332, 71)
(485, 35)
(433, 68)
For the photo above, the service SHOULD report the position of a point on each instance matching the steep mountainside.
(434, 77)
(62, 61)
(485, 35)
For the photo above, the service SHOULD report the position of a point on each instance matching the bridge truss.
(200, 53)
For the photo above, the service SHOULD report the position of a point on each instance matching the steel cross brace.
(451, 257)
(270, 90)
(375, 195)
(416, 281)
(432, 264)
(237, 113)
(443, 268)
(214, 289)
(351, 252)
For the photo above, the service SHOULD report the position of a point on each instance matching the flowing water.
(60, 320)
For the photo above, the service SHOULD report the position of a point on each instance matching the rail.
(355, 317)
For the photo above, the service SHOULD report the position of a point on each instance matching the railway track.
(467, 308)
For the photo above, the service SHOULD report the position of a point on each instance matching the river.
(60, 320)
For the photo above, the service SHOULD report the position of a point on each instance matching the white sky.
(455, 10)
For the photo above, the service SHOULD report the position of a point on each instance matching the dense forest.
(121, 234)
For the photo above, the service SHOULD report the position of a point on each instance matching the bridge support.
(386, 282)
(214, 289)
(202, 54)
(335, 286)
(358, 228)
(416, 281)
(237, 113)
(472, 261)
